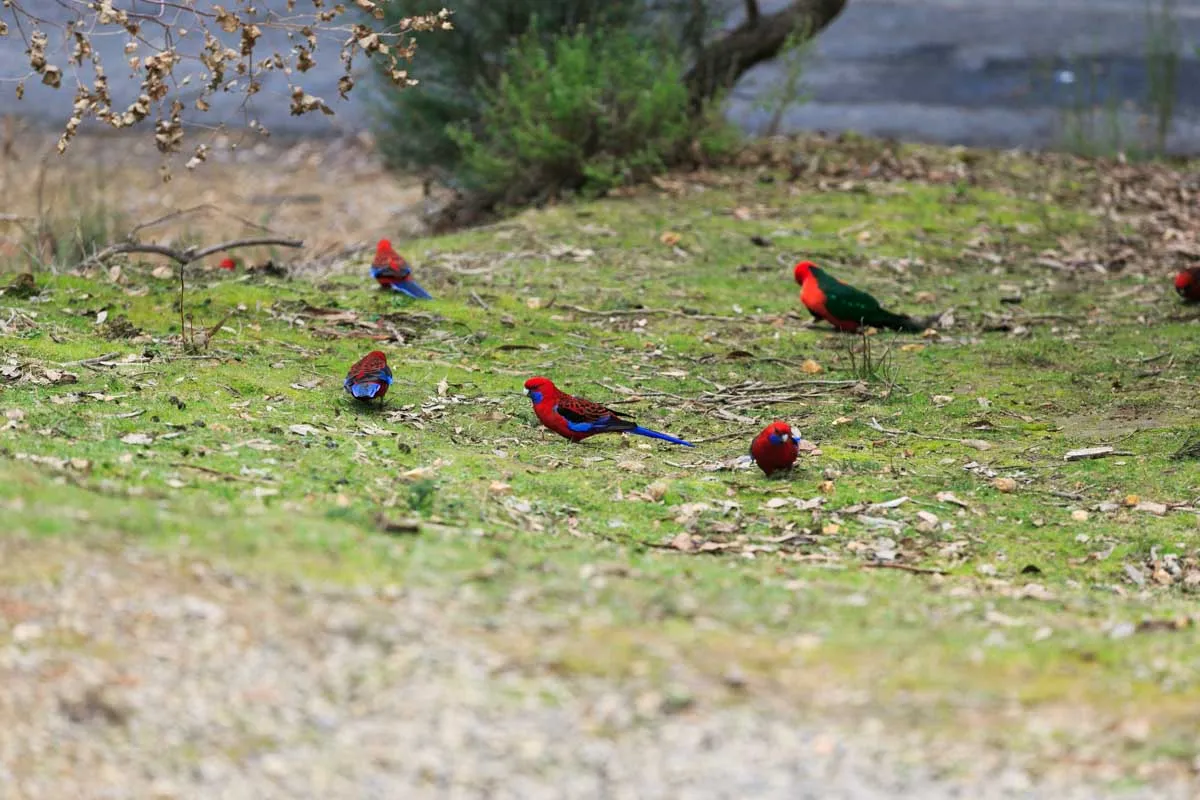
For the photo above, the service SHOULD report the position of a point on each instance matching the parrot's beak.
(785, 436)
(527, 393)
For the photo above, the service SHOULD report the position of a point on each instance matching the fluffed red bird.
(576, 419)
(1187, 284)
(845, 307)
(392, 271)
(227, 263)
(775, 448)
(369, 378)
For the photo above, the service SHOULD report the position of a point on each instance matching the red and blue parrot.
(369, 378)
(393, 272)
(775, 448)
(576, 419)
(1187, 284)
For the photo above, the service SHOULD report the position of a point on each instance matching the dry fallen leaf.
(1006, 485)
(163, 272)
(810, 367)
(657, 490)
(499, 488)
(670, 238)
(302, 430)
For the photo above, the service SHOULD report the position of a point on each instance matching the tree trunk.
(759, 38)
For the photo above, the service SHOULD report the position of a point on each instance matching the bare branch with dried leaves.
(201, 50)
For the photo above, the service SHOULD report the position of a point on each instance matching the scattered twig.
(644, 312)
(903, 567)
(217, 473)
(482, 303)
(873, 425)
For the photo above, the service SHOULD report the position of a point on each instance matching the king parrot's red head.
(227, 263)
(804, 271)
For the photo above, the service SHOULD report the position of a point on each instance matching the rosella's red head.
(1183, 281)
(227, 263)
(538, 387)
(779, 432)
(804, 271)
(384, 252)
(376, 354)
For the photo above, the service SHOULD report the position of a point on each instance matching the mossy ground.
(249, 451)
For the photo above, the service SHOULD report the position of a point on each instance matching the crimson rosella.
(843, 306)
(577, 419)
(227, 263)
(369, 377)
(1187, 283)
(392, 271)
(776, 448)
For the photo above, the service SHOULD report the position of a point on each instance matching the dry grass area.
(332, 193)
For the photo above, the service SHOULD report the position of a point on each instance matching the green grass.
(567, 538)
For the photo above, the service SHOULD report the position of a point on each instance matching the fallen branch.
(216, 473)
(643, 312)
(904, 568)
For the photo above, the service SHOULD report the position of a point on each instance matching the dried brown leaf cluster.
(230, 59)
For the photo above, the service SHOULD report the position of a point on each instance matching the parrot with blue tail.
(393, 272)
(576, 419)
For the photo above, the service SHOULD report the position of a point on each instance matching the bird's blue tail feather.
(412, 289)
(640, 431)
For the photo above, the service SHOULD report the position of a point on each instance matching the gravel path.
(127, 675)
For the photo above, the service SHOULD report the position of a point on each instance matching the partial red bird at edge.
(775, 448)
(576, 419)
(1187, 284)
(227, 263)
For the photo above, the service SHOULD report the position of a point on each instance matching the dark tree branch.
(184, 257)
(758, 39)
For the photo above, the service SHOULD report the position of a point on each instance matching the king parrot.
(369, 377)
(393, 272)
(576, 419)
(845, 307)
(775, 448)
(1187, 283)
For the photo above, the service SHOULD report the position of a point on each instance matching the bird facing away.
(393, 272)
(369, 378)
(845, 307)
(775, 448)
(576, 419)
(227, 263)
(1187, 284)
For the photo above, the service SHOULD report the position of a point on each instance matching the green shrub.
(455, 67)
(589, 112)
